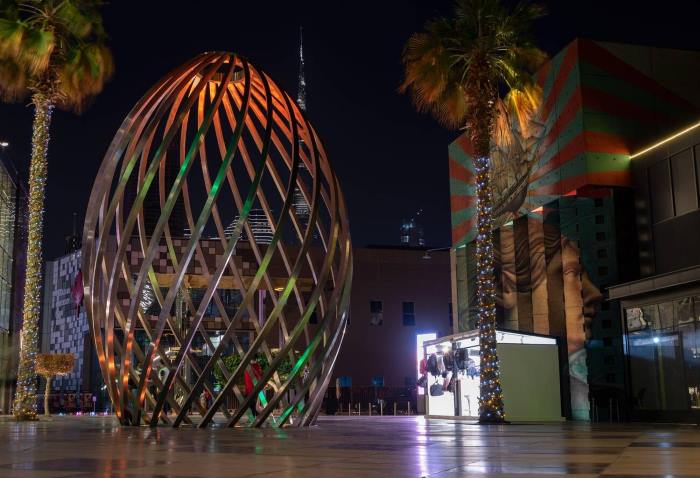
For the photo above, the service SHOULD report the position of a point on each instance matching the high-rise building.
(74, 240)
(65, 329)
(13, 237)
(259, 225)
(300, 205)
(412, 231)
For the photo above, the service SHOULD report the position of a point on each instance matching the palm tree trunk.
(482, 116)
(47, 391)
(25, 397)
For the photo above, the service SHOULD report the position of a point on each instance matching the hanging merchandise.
(472, 369)
(422, 381)
(436, 390)
(423, 367)
(448, 359)
(461, 358)
(440, 365)
(449, 384)
(432, 365)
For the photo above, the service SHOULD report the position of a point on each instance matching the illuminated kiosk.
(529, 366)
(183, 310)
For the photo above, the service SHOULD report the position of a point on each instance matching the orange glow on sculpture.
(214, 140)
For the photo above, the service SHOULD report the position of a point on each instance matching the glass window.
(376, 316)
(696, 307)
(7, 224)
(683, 309)
(685, 197)
(409, 317)
(662, 349)
(660, 191)
(666, 316)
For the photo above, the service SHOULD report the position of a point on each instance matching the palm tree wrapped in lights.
(52, 51)
(473, 70)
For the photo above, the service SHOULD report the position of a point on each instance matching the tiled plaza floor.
(348, 446)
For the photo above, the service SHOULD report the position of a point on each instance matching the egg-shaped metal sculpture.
(217, 257)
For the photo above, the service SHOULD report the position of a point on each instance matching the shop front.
(662, 346)
(529, 367)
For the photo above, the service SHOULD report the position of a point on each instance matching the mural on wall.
(544, 289)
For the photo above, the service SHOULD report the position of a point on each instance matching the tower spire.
(301, 91)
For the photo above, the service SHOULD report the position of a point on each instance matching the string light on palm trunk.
(491, 396)
(25, 397)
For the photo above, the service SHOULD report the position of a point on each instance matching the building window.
(607, 341)
(602, 271)
(599, 236)
(600, 219)
(660, 191)
(376, 316)
(598, 202)
(409, 316)
(602, 253)
(685, 195)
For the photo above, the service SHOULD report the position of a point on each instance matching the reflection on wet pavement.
(348, 446)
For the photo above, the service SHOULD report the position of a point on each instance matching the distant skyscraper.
(74, 241)
(301, 90)
(259, 225)
(412, 231)
(301, 207)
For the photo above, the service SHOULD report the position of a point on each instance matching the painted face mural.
(544, 288)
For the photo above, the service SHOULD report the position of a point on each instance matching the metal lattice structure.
(238, 143)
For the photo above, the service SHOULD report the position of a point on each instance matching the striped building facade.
(564, 207)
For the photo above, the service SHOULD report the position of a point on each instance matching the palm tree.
(473, 70)
(52, 51)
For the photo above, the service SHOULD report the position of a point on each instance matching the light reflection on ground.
(347, 446)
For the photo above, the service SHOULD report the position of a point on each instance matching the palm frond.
(36, 50)
(12, 33)
(73, 19)
(482, 34)
(13, 81)
(56, 47)
(83, 74)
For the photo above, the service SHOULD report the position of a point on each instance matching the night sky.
(390, 160)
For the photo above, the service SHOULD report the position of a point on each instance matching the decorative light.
(666, 140)
(490, 393)
(25, 397)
